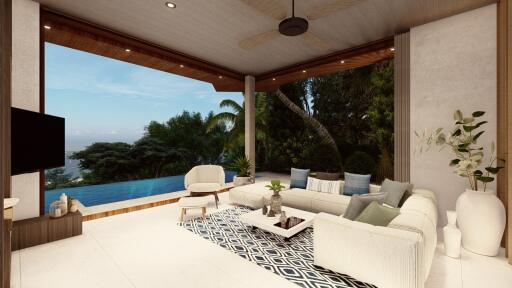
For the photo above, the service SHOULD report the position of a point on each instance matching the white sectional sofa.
(397, 256)
(254, 195)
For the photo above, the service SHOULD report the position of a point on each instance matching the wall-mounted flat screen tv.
(37, 141)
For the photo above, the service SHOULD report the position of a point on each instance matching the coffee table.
(257, 220)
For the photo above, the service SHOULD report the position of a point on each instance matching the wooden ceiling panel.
(82, 36)
(348, 59)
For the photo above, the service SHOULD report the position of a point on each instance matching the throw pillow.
(325, 186)
(299, 178)
(359, 202)
(377, 214)
(394, 191)
(328, 176)
(356, 184)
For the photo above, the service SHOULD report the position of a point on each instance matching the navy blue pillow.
(299, 178)
(356, 184)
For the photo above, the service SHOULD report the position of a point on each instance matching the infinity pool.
(107, 193)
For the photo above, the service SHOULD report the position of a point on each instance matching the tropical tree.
(235, 121)
(381, 116)
(322, 132)
(151, 156)
(56, 178)
(106, 162)
(189, 132)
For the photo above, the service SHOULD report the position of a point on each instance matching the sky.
(106, 100)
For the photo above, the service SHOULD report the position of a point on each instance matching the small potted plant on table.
(275, 200)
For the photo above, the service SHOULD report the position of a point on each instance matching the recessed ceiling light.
(303, 71)
(220, 76)
(170, 5)
(392, 49)
(127, 50)
(342, 61)
(47, 27)
(181, 66)
(273, 79)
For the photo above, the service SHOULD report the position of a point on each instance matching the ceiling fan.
(291, 26)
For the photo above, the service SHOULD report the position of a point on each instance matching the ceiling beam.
(78, 34)
(355, 57)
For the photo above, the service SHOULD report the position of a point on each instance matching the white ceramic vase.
(452, 236)
(240, 181)
(481, 219)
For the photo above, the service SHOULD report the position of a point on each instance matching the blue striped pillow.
(299, 178)
(356, 184)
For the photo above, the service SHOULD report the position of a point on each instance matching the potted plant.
(481, 215)
(242, 166)
(275, 200)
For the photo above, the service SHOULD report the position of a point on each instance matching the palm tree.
(236, 120)
(325, 136)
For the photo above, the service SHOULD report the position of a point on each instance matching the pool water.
(107, 193)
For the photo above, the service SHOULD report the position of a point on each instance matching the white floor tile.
(480, 271)
(147, 249)
(75, 262)
(445, 271)
(15, 269)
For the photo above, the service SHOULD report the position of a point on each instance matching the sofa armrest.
(385, 257)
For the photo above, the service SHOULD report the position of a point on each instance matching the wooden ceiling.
(200, 39)
(77, 34)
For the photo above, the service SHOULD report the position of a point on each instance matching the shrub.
(360, 163)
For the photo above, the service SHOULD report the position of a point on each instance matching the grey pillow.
(394, 191)
(299, 178)
(359, 202)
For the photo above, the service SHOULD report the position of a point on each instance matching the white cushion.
(204, 187)
(193, 202)
(326, 186)
(252, 195)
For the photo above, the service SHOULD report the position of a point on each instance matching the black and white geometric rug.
(291, 259)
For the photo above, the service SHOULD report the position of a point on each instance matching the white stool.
(193, 203)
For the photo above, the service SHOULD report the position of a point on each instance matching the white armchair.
(205, 180)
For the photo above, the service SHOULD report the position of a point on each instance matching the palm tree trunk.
(325, 136)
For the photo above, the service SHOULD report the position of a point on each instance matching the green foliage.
(242, 166)
(166, 149)
(463, 142)
(360, 163)
(355, 107)
(235, 120)
(57, 178)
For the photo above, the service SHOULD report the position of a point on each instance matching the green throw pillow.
(359, 202)
(377, 214)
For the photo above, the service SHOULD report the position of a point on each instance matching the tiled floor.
(147, 249)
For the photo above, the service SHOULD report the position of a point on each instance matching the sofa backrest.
(209, 174)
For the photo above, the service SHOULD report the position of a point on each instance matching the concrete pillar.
(250, 122)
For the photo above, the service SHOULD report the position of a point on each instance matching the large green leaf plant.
(462, 139)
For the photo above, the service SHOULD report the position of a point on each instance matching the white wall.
(453, 66)
(25, 93)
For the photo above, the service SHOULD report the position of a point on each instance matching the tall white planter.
(240, 181)
(481, 219)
